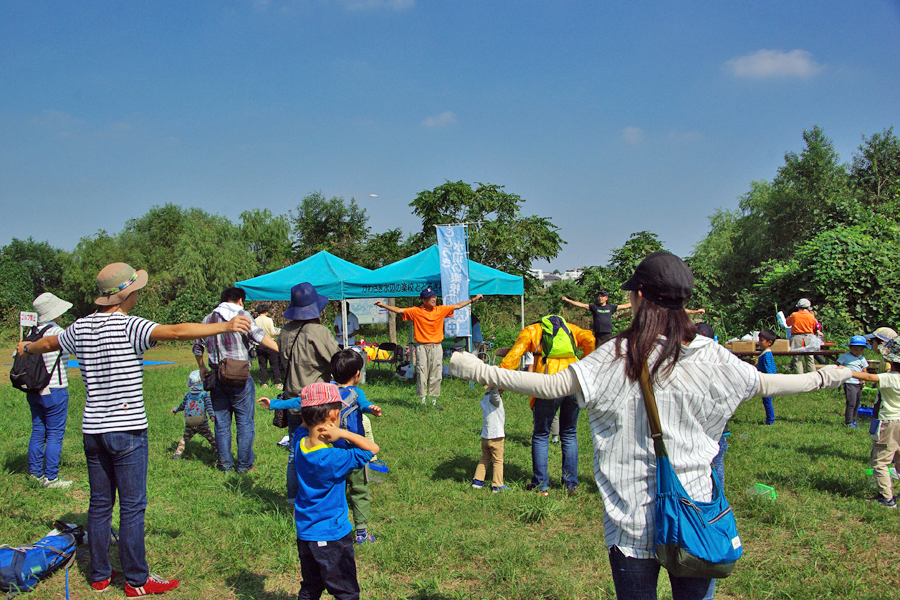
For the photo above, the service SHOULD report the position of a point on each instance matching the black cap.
(663, 279)
(603, 293)
(705, 330)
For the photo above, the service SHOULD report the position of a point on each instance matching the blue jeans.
(48, 427)
(240, 401)
(117, 462)
(293, 483)
(719, 459)
(635, 579)
(544, 411)
(770, 410)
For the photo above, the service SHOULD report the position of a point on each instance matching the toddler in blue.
(198, 412)
(855, 361)
(766, 364)
(324, 533)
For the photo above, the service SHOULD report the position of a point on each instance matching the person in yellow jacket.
(551, 358)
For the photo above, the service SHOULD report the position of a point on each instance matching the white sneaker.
(422, 399)
(893, 471)
(57, 483)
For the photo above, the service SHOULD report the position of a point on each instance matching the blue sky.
(606, 117)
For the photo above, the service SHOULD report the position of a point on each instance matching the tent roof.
(411, 275)
(323, 270)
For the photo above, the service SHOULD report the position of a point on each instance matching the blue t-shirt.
(320, 509)
(854, 363)
(766, 362)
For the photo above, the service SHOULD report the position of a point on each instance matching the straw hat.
(118, 281)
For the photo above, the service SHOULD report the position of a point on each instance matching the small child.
(886, 432)
(196, 406)
(492, 437)
(855, 361)
(766, 364)
(346, 368)
(324, 533)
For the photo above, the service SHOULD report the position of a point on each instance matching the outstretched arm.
(459, 305)
(393, 309)
(576, 303)
(193, 331)
(42, 346)
(699, 311)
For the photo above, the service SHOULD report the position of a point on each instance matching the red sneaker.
(155, 585)
(103, 584)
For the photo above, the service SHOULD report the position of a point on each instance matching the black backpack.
(29, 373)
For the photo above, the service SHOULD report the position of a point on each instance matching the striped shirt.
(110, 350)
(58, 376)
(694, 403)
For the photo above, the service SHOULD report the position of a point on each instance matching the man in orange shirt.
(428, 330)
(803, 327)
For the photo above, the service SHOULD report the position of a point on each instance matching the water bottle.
(716, 338)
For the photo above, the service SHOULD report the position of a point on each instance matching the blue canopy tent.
(325, 271)
(408, 277)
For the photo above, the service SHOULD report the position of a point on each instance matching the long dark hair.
(652, 325)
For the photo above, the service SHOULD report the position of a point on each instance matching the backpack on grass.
(29, 373)
(22, 568)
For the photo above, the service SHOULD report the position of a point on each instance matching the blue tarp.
(325, 271)
(411, 275)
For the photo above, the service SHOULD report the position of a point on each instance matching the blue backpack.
(22, 568)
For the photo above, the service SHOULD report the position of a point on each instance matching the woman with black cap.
(698, 385)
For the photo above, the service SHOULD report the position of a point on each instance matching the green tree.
(332, 224)
(500, 236)
(268, 239)
(875, 174)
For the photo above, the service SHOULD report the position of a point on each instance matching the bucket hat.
(663, 279)
(117, 281)
(194, 381)
(318, 393)
(857, 340)
(306, 303)
(49, 307)
(890, 350)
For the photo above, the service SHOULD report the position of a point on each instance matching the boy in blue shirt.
(766, 364)
(324, 533)
(855, 361)
(346, 368)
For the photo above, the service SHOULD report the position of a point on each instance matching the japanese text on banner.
(454, 277)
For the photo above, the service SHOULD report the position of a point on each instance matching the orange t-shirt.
(801, 322)
(428, 325)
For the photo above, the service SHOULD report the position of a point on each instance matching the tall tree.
(500, 236)
(875, 174)
(334, 225)
(268, 238)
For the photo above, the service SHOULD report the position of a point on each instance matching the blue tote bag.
(693, 539)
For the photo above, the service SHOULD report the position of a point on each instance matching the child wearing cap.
(766, 364)
(492, 438)
(197, 405)
(324, 533)
(886, 432)
(855, 361)
(346, 368)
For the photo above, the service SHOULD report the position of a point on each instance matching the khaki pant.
(491, 454)
(801, 361)
(429, 370)
(884, 452)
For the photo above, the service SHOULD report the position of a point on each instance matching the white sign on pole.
(27, 319)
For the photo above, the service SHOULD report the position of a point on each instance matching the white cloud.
(633, 136)
(774, 63)
(442, 120)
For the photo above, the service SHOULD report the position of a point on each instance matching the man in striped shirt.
(109, 345)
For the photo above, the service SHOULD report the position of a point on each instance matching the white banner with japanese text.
(454, 277)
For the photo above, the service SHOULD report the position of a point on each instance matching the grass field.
(232, 536)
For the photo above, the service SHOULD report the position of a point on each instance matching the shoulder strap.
(287, 367)
(652, 413)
